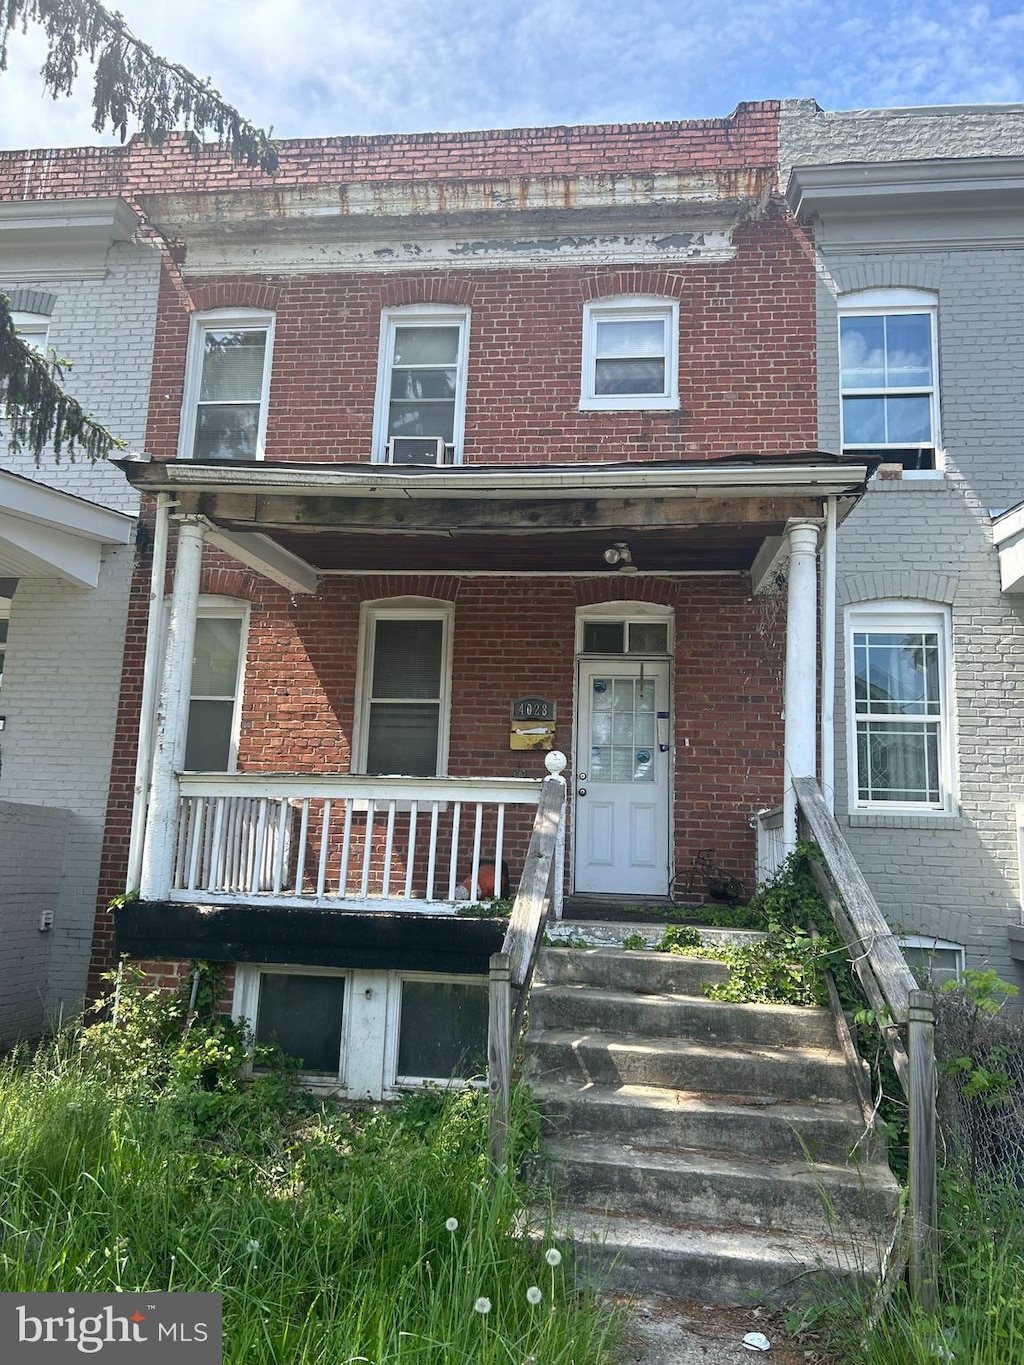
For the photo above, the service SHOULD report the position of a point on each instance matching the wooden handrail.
(511, 970)
(899, 1006)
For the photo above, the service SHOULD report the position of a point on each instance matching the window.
(898, 703)
(212, 739)
(5, 621)
(932, 960)
(630, 349)
(625, 637)
(888, 374)
(421, 386)
(402, 722)
(33, 328)
(228, 377)
(442, 1029)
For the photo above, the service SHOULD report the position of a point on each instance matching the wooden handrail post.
(924, 1197)
(499, 1058)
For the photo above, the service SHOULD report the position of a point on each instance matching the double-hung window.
(402, 725)
(33, 329)
(224, 416)
(212, 738)
(898, 701)
(888, 355)
(630, 354)
(421, 386)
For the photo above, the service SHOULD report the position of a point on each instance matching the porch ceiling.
(707, 516)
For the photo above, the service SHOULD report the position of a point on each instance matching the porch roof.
(676, 516)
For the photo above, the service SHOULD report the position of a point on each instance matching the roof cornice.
(857, 188)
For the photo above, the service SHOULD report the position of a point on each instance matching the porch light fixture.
(620, 555)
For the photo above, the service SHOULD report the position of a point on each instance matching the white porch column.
(172, 715)
(801, 702)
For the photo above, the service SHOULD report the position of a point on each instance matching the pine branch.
(132, 83)
(39, 415)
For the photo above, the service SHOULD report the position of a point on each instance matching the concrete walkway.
(679, 1332)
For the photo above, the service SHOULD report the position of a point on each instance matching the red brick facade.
(746, 387)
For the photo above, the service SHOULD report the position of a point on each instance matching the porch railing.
(511, 970)
(364, 841)
(905, 1014)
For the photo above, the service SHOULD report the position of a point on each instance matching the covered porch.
(650, 549)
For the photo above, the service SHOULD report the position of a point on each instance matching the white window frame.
(890, 303)
(33, 329)
(630, 613)
(222, 319)
(392, 1080)
(245, 1009)
(927, 943)
(419, 315)
(401, 609)
(897, 618)
(629, 309)
(5, 616)
(211, 607)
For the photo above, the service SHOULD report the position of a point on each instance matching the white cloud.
(314, 68)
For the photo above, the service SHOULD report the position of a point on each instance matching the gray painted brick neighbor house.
(918, 231)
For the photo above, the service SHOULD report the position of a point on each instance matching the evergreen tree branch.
(39, 415)
(132, 83)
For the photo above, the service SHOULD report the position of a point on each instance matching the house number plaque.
(533, 724)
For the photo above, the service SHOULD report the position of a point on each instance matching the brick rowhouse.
(746, 387)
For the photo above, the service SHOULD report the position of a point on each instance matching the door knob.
(582, 776)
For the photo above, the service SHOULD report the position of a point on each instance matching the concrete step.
(647, 973)
(683, 1185)
(794, 1073)
(728, 1266)
(744, 1126)
(586, 1009)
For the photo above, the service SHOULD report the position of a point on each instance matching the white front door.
(622, 777)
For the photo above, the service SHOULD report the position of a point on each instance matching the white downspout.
(828, 655)
(801, 701)
(150, 692)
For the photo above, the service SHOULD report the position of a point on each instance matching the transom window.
(421, 387)
(898, 661)
(225, 409)
(406, 671)
(630, 354)
(625, 637)
(888, 374)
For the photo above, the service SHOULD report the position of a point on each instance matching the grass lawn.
(134, 1160)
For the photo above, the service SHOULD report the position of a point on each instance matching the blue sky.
(313, 68)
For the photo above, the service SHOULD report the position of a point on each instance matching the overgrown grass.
(331, 1234)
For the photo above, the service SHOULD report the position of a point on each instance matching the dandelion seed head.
(553, 1256)
(252, 1246)
(533, 1295)
(482, 1305)
(452, 1224)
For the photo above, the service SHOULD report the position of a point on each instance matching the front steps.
(699, 1149)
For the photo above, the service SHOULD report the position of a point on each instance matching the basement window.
(442, 1029)
(303, 1014)
(932, 960)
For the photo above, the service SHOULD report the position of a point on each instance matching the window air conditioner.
(417, 450)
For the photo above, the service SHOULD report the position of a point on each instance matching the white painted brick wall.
(65, 647)
(32, 843)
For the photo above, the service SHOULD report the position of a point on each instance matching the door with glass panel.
(621, 841)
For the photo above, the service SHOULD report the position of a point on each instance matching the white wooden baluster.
(346, 848)
(325, 839)
(256, 854)
(300, 858)
(216, 877)
(195, 841)
(474, 876)
(279, 852)
(453, 857)
(499, 848)
(371, 811)
(410, 849)
(389, 843)
(432, 851)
